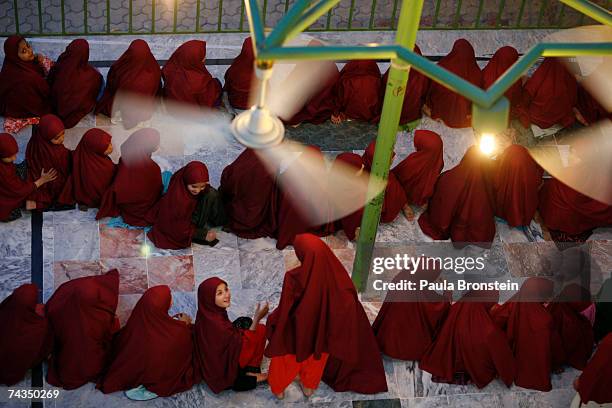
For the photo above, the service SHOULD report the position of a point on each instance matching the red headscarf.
(565, 209)
(153, 349)
(13, 190)
(589, 108)
(138, 184)
(186, 79)
(395, 197)
(516, 182)
(92, 170)
(461, 206)
(452, 108)
(418, 173)
(529, 329)
(408, 320)
(470, 342)
(81, 314)
(24, 92)
(351, 222)
(247, 187)
(74, 83)
(549, 96)
(501, 61)
(415, 93)
(239, 76)
(138, 72)
(25, 339)
(42, 154)
(358, 91)
(595, 382)
(319, 312)
(217, 341)
(171, 217)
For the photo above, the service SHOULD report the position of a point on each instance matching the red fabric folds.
(595, 382)
(81, 315)
(24, 91)
(358, 91)
(163, 361)
(187, 80)
(455, 110)
(75, 84)
(239, 76)
(13, 190)
(171, 217)
(25, 339)
(319, 312)
(499, 63)
(589, 108)
(92, 170)
(516, 183)
(351, 222)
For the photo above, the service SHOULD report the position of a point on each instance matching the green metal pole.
(410, 15)
(310, 17)
(597, 13)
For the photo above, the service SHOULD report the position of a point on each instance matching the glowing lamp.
(487, 144)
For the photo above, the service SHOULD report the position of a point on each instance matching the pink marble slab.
(63, 271)
(121, 242)
(125, 306)
(174, 271)
(132, 273)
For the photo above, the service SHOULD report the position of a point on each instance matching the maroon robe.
(13, 190)
(239, 76)
(595, 382)
(501, 61)
(358, 91)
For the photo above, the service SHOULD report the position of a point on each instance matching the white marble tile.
(76, 241)
(74, 216)
(16, 237)
(5, 402)
(227, 242)
(15, 272)
(264, 271)
(184, 302)
(556, 398)
(259, 244)
(224, 264)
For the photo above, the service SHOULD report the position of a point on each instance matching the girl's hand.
(211, 235)
(261, 312)
(261, 377)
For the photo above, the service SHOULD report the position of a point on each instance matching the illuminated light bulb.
(145, 251)
(487, 144)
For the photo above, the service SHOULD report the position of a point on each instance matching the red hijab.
(589, 108)
(595, 382)
(25, 339)
(74, 83)
(138, 184)
(516, 183)
(153, 349)
(186, 79)
(24, 92)
(358, 91)
(13, 190)
(42, 154)
(415, 93)
(418, 173)
(408, 320)
(138, 72)
(247, 188)
(529, 329)
(319, 312)
(469, 342)
(549, 96)
(352, 221)
(81, 315)
(501, 61)
(239, 76)
(171, 217)
(395, 196)
(217, 341)
(452, 108)
(92, 170)
(461, 207)
(565, 209)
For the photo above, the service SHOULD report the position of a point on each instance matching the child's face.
(9, 159)
(59, 139)
(25, 52)
(223, 297)
(196, 188)
(109, 149)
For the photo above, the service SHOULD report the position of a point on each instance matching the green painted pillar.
(410, 16)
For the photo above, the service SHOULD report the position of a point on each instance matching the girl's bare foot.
(408, 212)
(308, 392)
(357, 233)
(280, 396)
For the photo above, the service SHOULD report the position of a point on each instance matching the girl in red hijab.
(549, 96)
(46, 150)
(516, 183)
(418, 173)
(319, 329)
(136, 71)
(470, 345)
(138, 184)
(247, 187)
(74, 83)
(529, 329)
(408, 320)
(187, 80)
(162, 363)
(453, 109)
(81, 315)
(14, 190)
(171, 217)
(358, 92)
(227, 354)
(501, 61)
(239, 75)
(24, 92)
(25, 340)
(595, 382)
(92, 170)
(461, 207)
